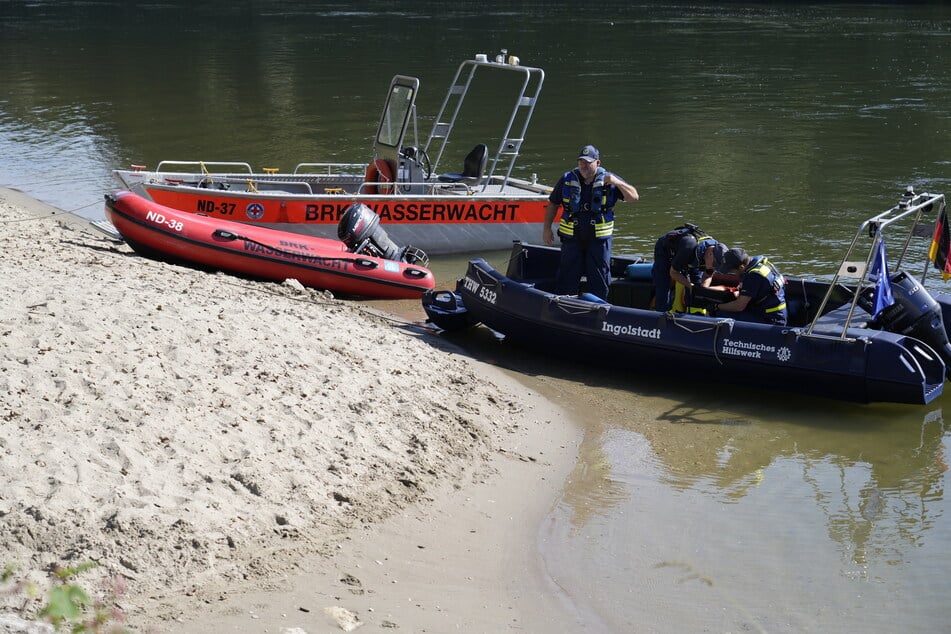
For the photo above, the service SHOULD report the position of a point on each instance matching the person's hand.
(547, 236)
(608, 178)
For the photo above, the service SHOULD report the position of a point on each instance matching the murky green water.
(775, 127)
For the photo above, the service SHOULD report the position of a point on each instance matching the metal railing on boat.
(511, 142)
(874, 228)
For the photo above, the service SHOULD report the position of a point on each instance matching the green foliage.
(68, 606)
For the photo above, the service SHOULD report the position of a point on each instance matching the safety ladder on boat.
(874, 228)
(510, 144)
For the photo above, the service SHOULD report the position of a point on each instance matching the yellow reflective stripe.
(773, 310)
(601, 230)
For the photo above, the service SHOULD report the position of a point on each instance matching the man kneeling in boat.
(761, 295)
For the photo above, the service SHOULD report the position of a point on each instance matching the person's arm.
(551, 209)
(677, 276)
(706, 278)
(737, 305)
(627, 190)
(547, 236)
(683, 260)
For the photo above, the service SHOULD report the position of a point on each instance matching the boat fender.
(379, 172)
(591, 297)
(638, 271)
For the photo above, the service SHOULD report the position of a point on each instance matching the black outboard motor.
(359, 228)
(915, 313)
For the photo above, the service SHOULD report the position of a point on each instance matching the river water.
(776, 127)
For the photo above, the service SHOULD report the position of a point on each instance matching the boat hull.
(420, 203)
(437, 223)
(165, 233)
(865, 366)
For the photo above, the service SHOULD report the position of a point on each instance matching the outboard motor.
(359, 228)
(915, 313)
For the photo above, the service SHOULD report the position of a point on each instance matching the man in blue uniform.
(587, 195)
(761, 294)
(685, 256)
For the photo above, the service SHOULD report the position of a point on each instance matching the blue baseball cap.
(589, 153)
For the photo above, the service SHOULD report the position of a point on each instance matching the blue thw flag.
(878, 275)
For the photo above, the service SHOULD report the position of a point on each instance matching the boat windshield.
(399, 105)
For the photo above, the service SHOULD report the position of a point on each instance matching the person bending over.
(761, 294)
(684, 256)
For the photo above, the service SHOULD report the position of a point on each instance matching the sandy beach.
(259, 457)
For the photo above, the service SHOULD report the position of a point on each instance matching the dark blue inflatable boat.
(831, 347)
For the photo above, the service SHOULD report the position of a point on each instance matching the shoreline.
(218, 444)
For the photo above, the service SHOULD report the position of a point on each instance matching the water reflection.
(876, 474)
(59, 149)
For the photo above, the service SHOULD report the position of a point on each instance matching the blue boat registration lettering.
(631, 331)
(480, 291)
(160, 219)
(751, 350)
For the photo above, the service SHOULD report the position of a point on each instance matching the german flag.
(940, 252)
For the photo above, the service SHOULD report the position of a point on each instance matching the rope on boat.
(211, 181)
(573, 305)
(356, 259)
(52, 214)
(681, 323)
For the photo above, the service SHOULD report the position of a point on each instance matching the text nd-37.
(211, 207)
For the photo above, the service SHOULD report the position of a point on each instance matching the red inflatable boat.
(167, 234)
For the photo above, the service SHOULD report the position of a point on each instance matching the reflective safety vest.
(703, 244)
(575, 211)
(776, 300)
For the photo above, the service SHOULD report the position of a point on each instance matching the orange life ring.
(379, 172)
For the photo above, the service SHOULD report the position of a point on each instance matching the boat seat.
(472, 169)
